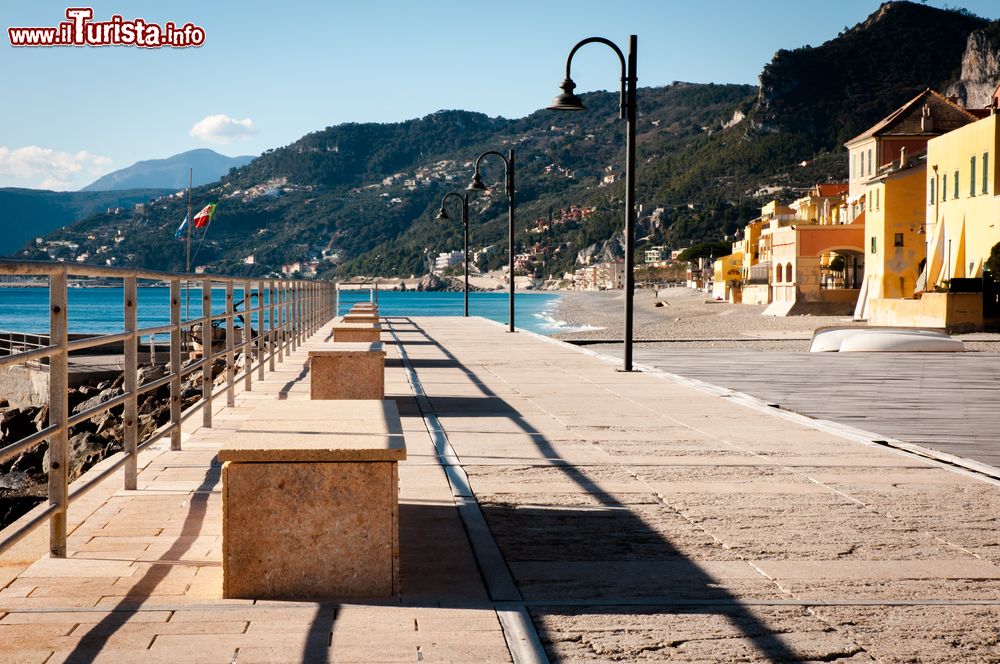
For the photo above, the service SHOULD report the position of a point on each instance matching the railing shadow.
(596, 557)
(90, 646)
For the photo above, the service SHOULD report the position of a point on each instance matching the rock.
(104, 395)
(30, 461)
(17, 423)
(41, 419)
(149, 373)
(104, 422)
(980, 71)
(85, 450)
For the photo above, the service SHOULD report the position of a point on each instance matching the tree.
(993, 262)
(711, 249)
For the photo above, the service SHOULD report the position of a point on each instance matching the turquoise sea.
(100, 310)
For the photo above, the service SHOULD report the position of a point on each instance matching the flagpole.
(187, 299)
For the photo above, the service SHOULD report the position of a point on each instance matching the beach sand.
(693, 319)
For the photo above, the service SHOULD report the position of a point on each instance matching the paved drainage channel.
(522, 639)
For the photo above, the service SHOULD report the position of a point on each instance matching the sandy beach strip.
(692, 319)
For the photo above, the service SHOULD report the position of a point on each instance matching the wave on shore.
(549, 324)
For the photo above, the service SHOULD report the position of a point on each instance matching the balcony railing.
(286, 312)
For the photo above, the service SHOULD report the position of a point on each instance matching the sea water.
(101, 310)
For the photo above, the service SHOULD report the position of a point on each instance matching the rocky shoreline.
(24, 479)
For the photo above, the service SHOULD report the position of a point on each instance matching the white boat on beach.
(883, 339)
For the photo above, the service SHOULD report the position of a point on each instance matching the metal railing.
(286, 311)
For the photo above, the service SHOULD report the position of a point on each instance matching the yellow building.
(962, 206)
(909, 127)
(727, 276)
(894, 231)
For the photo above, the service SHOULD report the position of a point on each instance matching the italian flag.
(202, 218)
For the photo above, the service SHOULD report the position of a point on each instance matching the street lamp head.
(476, 184)
(442, 214)
(567, 101)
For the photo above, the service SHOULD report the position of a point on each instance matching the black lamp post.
(567, 101)
(443, 214)
(477, 185)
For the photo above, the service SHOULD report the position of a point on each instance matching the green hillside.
(29, 213)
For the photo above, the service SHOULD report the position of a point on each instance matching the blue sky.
(270, 72)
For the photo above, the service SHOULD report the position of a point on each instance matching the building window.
(777, 273)
(944, 187)
(788, 273)
(873, 244)
(869, 161)
(931, 201)
(956, 185)
(897, 240)
(862, 163)
(972, 176)
(986, 172)
(876, 198)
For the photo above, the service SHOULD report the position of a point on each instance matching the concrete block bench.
(360, 318)
(310, 503)
(347, 371)
(364, 307)
(356, 332)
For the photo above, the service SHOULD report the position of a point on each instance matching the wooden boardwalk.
(945, 401)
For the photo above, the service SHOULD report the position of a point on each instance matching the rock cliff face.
(980, 68)
(834, 91)
(602, 252)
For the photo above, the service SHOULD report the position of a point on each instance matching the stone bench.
(360, 318)
(347, 371)
(356, 332)
(364, 307)
(310, 503)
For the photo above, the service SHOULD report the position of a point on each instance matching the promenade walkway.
(947, 402)
(631, 517)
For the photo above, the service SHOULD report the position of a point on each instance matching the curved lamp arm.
(623, 103)
(506, 169)
(463, 198)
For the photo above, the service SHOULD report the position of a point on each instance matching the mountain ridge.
(170, 172)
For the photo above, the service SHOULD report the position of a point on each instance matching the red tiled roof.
(832, 188)
(905, 120)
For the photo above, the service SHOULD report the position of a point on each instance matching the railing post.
(315, 306)
(58, 412)
(131, 384)
(336, 300)
(175, 363)
(301, 314)
(230, 345)
(248, 340)
(206, 344)
(289, 338)
(272, 337)
(259, 344)
(293, 313)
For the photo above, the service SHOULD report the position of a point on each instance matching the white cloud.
(223, 129)
(35, 166)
